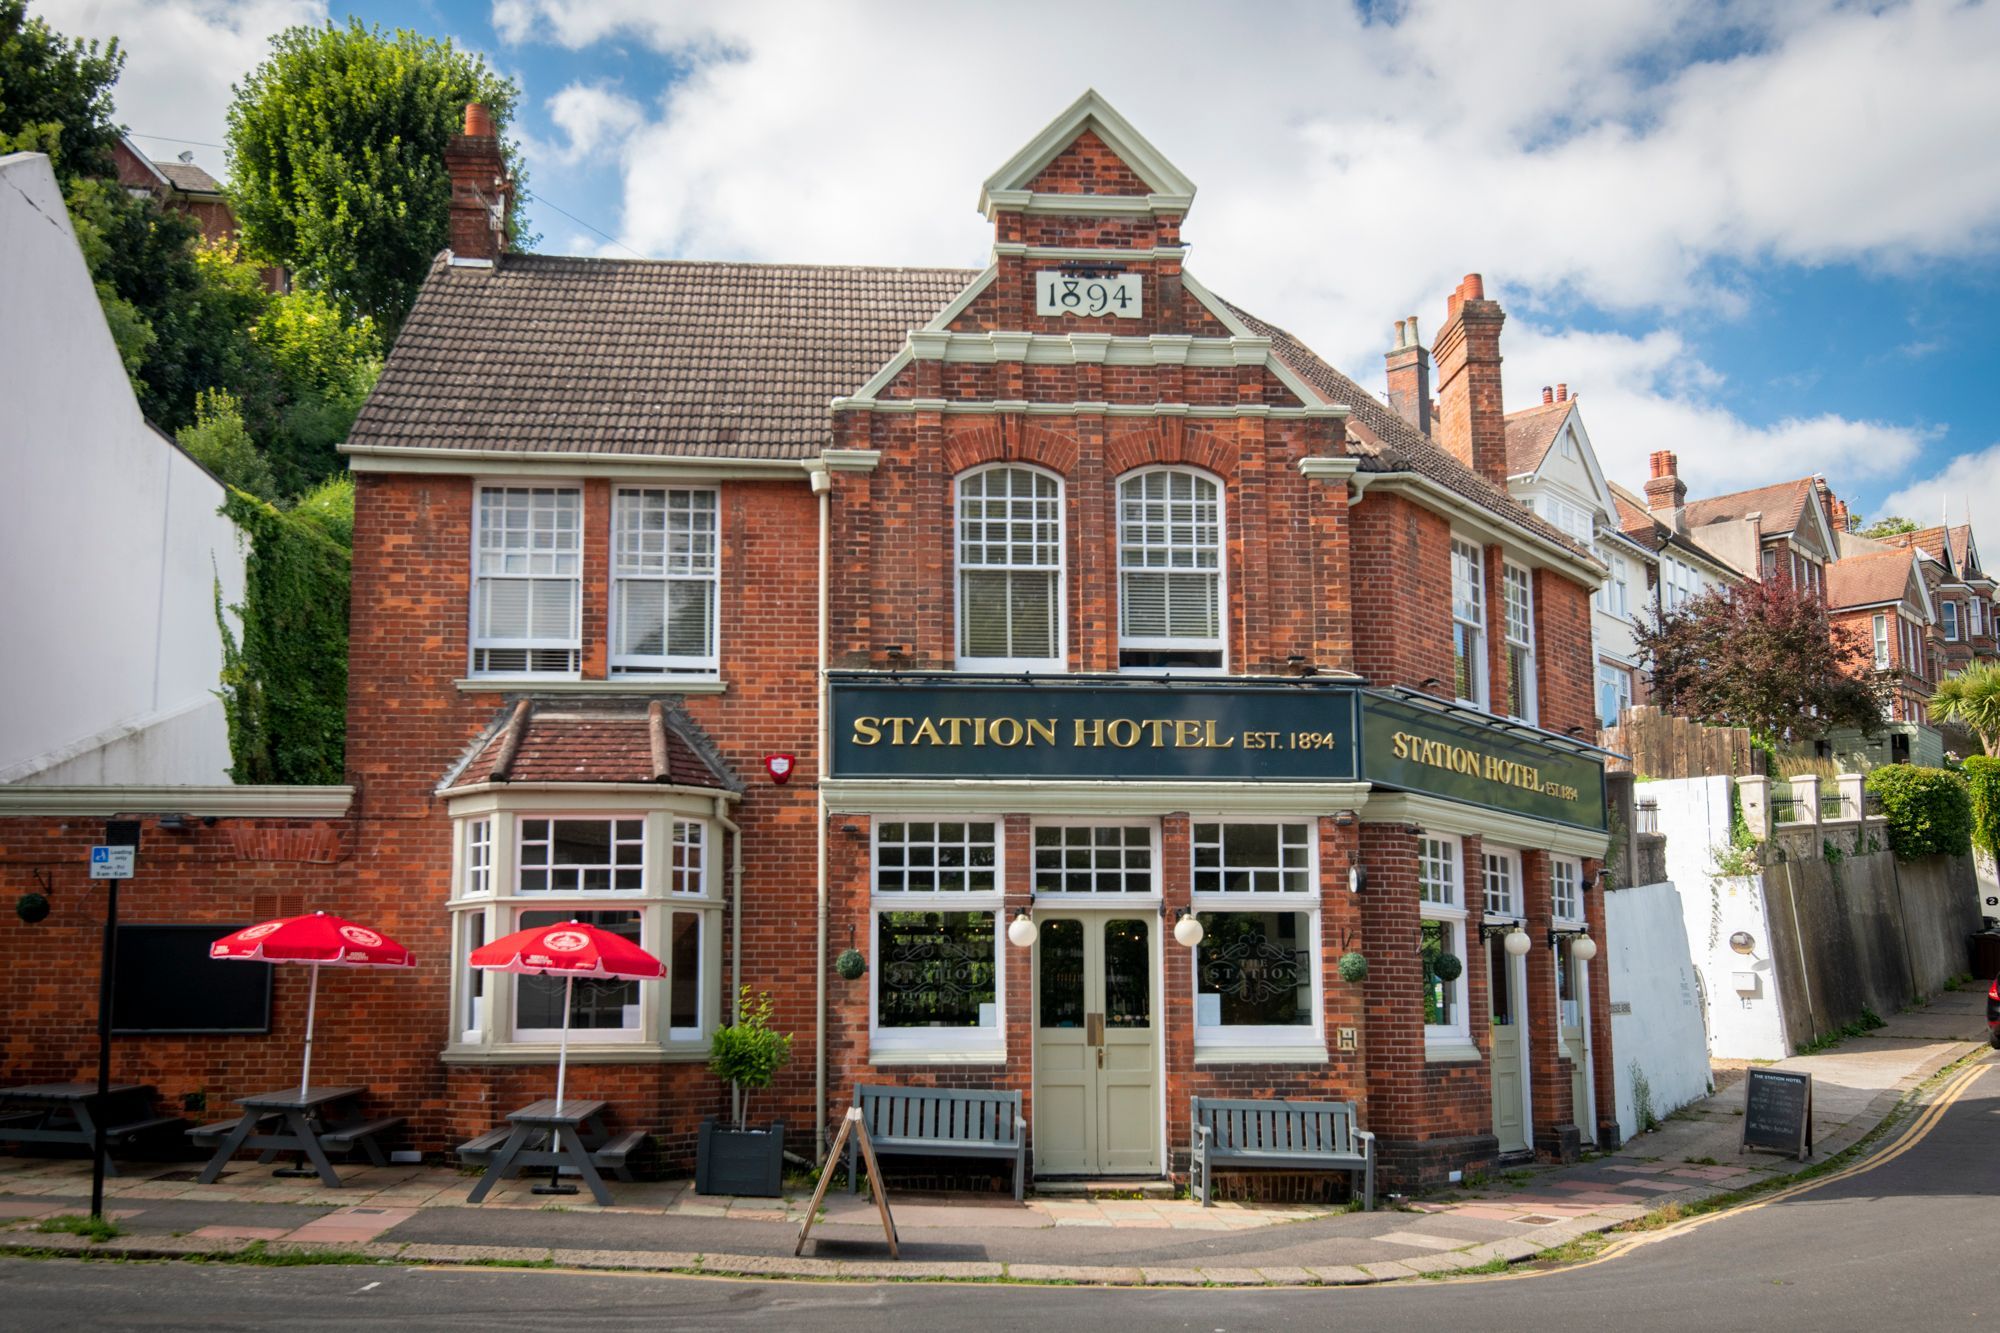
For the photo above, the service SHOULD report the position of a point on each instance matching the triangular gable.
(1090, 114)
(1607, 502)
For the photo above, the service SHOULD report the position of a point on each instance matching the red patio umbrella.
(317, 940)
(569, 950)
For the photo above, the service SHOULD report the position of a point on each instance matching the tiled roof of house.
(1782, 504)
(1636, 521)
(611, 740)
(1396, 444)
(1868, 580)
(1531, 431)
(1931, 541)
(548, 354)
(189, 178)
(1961, 551)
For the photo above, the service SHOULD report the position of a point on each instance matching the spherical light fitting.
(1583, 948)
(1516, 942)
(1021, 931)
(1187, 931)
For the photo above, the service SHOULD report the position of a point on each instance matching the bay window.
(1441, 933)
(527, 580)
(646, 874)
(1010, 540)
(935, 914)
(1257, 968)
(1170, 571)
(665, 558)
(1468, 629)
(1518, 592)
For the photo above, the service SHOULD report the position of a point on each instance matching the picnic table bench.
(942, 1122)
(1279, 1135)
(313, 1123)
(566, 1137)
(69, 1113)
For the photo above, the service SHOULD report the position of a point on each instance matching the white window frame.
(1518, 612)
(1948, 617)
(1501, 867)
(1196, 844)
(1252, 1043)
(478, 854)
(1619, 679)
(1468, 614)
(1976, 619)
(1081, 897)
(1058, 572)
(478, 643)
(1447, 850)
(1219, 643)
(1881, 641)
(1566, 910)
(985, 1044)
(625, 574)
(491, 1031)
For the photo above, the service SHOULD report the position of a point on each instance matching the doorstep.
(1142, 1187)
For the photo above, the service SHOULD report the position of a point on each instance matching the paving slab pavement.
(417, 1214)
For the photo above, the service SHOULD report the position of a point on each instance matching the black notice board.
(167, 983)
(1777, 1112)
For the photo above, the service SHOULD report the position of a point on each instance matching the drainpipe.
(822, 484)
(735, 936)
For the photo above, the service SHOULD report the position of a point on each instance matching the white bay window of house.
(1468, 629)
(478, 856)
(1520, 608)
(665, 561)
(1010, 532)
(1565, 889)
(687, 873)
(1976, 616)
(1257, 898)
(581, 856)
(936, 909)
(1170, 571)
(1615, 597)
(472, 1012)
(1881, 642)
(527, 585)
(604, 1010)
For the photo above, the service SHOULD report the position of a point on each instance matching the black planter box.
(749, 1162)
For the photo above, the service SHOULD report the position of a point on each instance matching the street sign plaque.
(112, 862)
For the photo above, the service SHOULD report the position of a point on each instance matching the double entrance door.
(1097, 1044)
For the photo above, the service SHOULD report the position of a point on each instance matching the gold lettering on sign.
(1472, 763)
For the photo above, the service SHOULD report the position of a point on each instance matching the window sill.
(1260, 1055)
(1450, 1051)
(617, 685)
(536, 1053)
(905, 1056)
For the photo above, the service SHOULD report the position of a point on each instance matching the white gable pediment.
(1089, 112)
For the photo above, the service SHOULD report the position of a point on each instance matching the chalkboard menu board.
(166, 982)
(1777, 1112)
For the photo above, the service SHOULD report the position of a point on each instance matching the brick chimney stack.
(1837, 513)
(480, 190)
(1410, 377)
(1665, 492)
(1472, 424)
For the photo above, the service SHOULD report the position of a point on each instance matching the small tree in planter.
(749, 1053)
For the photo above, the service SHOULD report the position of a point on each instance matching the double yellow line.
(1915, 1133)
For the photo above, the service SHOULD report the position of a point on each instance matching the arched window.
(1010, 540)
(1170, 571)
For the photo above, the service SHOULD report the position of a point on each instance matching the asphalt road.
(1910, 1242)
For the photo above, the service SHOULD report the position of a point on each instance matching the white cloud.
(595, 117)
(1971, 479)
(180, 60)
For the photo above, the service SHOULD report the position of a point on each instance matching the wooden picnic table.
(571, 1135)
(313, 1123)
(69, 1113)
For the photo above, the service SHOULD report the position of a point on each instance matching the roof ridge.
(530, 256)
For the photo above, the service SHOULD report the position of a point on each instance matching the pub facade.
(1049, 676)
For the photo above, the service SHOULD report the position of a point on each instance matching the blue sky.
(1762, 235)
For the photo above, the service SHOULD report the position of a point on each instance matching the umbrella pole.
(562, 1050)
(312, 1004)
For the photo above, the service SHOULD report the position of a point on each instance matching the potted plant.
(748, 1053)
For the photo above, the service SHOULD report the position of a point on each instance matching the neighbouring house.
(1076, 646)
(1553, 470)
(112, 529)
(1963, 590)
(182, 186)
(1775, 534)
(1879, 602)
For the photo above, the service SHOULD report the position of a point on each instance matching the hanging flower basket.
(851, 965)
(1353, 968)
(1447, 967)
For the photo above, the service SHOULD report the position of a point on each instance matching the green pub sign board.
(1271, 730)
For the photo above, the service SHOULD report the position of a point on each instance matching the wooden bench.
(943, 1122)
(216, 1131)
(613, 1154)
(476, 1151)
(134, 1129)
(344, 1138)
(1279, 1136)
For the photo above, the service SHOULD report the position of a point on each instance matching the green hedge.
(1928, 809)
(1982, 779)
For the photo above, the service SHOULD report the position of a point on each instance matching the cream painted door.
(1510, 1121)
(1097, 1090)
(1569, 1005)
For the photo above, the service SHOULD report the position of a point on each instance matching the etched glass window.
(935, 970)
(1254, 969)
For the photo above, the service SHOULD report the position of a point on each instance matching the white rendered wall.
(1656, 1020)
(1745, 1015)
(108, 532)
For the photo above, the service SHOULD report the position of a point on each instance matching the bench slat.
(345, 1138)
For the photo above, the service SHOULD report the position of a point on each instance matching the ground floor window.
(1254, 970)
(1443, 954)
(937, 978)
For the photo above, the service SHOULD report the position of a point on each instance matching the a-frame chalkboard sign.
(1777, 1112)
(851, 1123)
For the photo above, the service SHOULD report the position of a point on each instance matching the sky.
(1765, 235)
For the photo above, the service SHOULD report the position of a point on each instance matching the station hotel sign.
(955, 728)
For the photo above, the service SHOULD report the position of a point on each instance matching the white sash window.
(527, 565)
(1170, 571)
(1010, 532)
(665, 556)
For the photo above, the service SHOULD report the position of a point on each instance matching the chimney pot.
(1400, 336)
(1666, 494)
(478, 121)
(1409, 367)
(1474, 287)
(480, 190)
(1548, 394)
(1562, 393)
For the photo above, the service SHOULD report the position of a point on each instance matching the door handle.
(1100, 1057)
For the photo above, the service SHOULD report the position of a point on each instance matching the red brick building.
(1090, 607)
